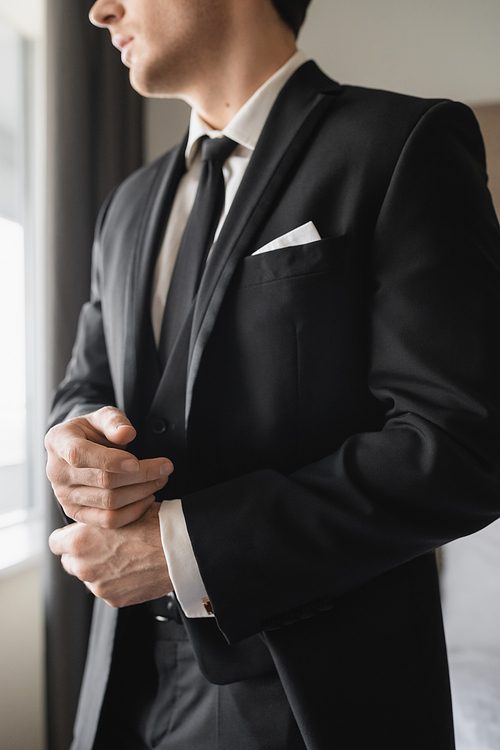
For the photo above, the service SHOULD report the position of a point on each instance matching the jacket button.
(158, 426)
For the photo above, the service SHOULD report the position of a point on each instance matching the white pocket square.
(300, 236)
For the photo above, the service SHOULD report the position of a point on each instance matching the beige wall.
(21, 661)
(446, 48)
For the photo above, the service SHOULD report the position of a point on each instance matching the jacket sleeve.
(272, 548)
(87, 385)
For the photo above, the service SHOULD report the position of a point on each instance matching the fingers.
(112, 499)
(95, 482)
(152, 475)
(69, 448)
(61, 541)
(109, 509)
(88, 441)
(72, 446)
(150, 470)
(83, 454)
(112, 519)
(69, 544)
(98, 501)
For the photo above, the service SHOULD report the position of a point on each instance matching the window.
(21, 318)
(13, 453)
(13, 464)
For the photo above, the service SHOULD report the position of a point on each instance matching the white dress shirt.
(245, 128)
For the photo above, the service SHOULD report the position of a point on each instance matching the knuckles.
(109, 500)
(73, 456)
(109, 519)
(95, 517)
(104, 479)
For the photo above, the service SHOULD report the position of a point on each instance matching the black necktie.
(196, 241)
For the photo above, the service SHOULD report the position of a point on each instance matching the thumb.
(113, 424)
(58, 540)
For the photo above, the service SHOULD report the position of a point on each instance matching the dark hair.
(293, 12)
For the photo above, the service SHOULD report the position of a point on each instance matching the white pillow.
(470, 585)
(475, 685)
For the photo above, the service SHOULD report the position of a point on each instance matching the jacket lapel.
(300, 105)
(137, 297)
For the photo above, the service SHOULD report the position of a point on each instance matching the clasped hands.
(115, 547)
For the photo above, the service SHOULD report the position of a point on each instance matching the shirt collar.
(246, 125)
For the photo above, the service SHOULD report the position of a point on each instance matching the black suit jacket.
(332, 410)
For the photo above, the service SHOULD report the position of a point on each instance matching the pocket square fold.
(302, 235)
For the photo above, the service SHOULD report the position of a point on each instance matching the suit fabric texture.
(332, 410)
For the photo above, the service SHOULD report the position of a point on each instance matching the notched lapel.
(296, 112)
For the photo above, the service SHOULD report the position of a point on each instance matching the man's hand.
(94, 479)
(122, 566)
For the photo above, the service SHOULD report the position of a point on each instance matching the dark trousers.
(158, 698)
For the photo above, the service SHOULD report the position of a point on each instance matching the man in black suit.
(327, 390)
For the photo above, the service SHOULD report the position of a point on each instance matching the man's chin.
(148, 86)
(137, 83)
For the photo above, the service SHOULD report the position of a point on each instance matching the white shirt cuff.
(182, 565)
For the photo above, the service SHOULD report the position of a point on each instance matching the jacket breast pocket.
(297, 260)
(281, 346)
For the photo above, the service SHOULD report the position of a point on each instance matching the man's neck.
(234, 79)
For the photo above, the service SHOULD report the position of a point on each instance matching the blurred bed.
(471, 604)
